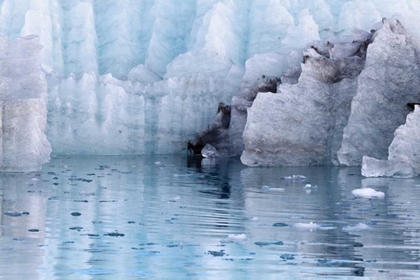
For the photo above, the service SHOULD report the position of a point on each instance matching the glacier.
(121, 77)
(23, 100)
(347, 103)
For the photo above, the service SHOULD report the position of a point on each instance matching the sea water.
(178, 217)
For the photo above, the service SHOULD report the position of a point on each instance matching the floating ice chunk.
(308, 186)
(175, 199)
(209, 151)
(277, 189)
(358, 227)
(265, 188)
(268, 188)
(311, 226)
(368, 193)
(294, 178)
(254, 219)
(237, 237)
(158, 163)
(372, 167)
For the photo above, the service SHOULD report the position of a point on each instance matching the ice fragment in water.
(368, 193)
(175, 199)
(358, 227)
(294, 178)
(237, 237)
(209, 151)
(268, 188)
(265, 188)
(310, 226)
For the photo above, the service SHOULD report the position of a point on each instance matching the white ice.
(237, 237)
(358, 227)
(23, 99)
(368, 193)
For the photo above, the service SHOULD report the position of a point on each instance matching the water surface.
(173, 217)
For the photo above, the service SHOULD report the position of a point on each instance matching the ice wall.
(302, 124)
(390, 80)
(144, 76)
(23, 108)
(347, 103)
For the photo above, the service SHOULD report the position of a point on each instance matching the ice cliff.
(23, 101)
(346, 104)
(145, 76)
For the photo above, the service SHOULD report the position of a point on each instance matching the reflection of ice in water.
(140, 219)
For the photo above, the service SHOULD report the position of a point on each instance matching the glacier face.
(144, 76)
(347, 103)
(303, 123)
(390, 80)
(23, 101)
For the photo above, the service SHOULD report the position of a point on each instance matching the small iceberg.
(368, 193)
(268, 188)
(358, 227)
(175, 199)
(294, 178)
(312, 226)
(237, 237)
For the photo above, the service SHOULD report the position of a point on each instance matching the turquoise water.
(173, 217)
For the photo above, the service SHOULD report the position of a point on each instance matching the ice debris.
(294, 178)
(237, 237)
(209, 151)
(268, 188)
(310, 226)
(175, 199)
(358, 227)
(368, 193)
